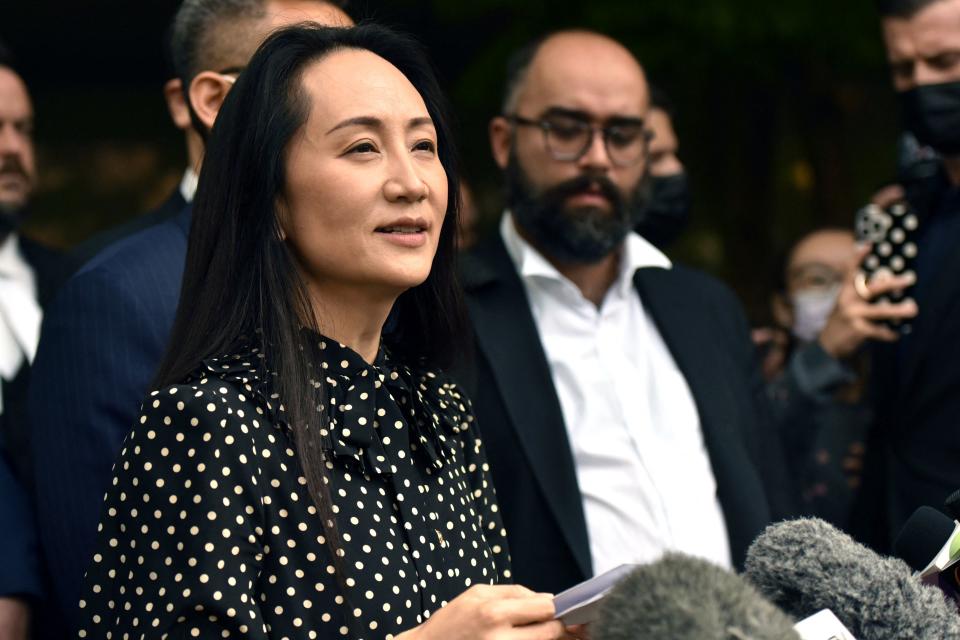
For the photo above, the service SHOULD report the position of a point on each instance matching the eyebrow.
(377, 123)
(583, 115)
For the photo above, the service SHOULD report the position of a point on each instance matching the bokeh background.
(785, 115)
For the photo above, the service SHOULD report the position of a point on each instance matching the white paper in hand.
(580, 604)
(822, 626)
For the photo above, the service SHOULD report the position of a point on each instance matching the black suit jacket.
(522, 424)
(913, 457)
(170, 207)
(49, 270)
(21, 571)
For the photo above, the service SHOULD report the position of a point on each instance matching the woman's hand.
(486, 612)
(14, 619)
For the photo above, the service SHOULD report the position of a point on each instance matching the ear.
(782, 310)
(501, 138)
(177, 104)
(208, 90)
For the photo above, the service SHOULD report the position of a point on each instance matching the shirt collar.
(530, 263)
(12, 263)
(9, 253)
(188, 184)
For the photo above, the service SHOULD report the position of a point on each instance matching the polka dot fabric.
(209, 531)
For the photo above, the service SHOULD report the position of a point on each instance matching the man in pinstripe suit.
(107, 330)
(29, 273)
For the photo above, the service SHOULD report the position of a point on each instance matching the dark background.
(786, 118)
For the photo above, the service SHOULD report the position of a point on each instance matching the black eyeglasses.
(568, 138)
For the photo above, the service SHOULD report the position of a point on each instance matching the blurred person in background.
(182, 195)
(817, 383)
(617, 392)
(915, 446)
(29, 272)
(467, 228)
(667, 213)
(105, 333)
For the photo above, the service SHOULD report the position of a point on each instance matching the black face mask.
(668, 212)
(932, 113)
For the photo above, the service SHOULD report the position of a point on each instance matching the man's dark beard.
(582, 235)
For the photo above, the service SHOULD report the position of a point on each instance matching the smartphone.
(892, 234)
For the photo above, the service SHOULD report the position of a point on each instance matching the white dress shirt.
(20, 314)
(188, 184)
(641, 463)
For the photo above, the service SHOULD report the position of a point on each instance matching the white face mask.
(811, 309)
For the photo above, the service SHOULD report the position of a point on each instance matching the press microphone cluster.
(806, 565)
(684, 598)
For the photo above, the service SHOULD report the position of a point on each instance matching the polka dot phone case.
(892, 234)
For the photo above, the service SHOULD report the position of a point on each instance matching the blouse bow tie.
(378, 412)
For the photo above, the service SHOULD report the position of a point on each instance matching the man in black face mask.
(667, 212)
(622, 410)
(914, 454)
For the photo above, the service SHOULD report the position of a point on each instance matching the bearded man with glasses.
(617, 392)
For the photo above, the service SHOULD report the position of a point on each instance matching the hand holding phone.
(860, 315)
(891, 233)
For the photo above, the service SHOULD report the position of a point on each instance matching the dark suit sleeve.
(809, 382)
(19, 566)
(763, 436)
(94, 362)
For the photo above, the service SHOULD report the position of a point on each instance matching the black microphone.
(926, 537)
(952, 505)
(930, 543)
(807, 565)
(684, 598)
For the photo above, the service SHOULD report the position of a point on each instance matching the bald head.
(589, 59)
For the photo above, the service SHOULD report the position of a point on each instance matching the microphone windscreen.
(807, 565)
(684, 598)
(922, 537)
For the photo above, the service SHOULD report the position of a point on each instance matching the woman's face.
(365, 192)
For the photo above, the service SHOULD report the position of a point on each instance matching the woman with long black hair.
(304, 470)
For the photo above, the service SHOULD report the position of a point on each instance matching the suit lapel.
(677, 321)
(942, 292)
(693, 342)
(184, 218)
(508, 338)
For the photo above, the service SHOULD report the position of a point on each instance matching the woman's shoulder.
(221, 389)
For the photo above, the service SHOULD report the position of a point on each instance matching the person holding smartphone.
(913, 454)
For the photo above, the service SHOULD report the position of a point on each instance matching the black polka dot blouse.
(208, 530)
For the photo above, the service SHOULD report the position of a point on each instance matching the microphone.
(928, 539)
(807, 565)
(684, 598)
(952, 505)
(930, 543)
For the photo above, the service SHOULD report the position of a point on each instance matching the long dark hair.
(241, 281)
